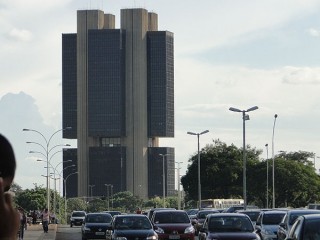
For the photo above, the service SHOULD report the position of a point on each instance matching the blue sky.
(227, 54)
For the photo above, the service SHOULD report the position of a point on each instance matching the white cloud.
(20, 34)
(314, 32)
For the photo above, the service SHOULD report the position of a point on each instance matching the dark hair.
(7, 159)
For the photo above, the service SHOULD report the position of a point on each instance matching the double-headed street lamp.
(199, 181)
(47, 149)
(244, 118)
(163, 179)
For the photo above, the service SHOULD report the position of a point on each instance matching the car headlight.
(153, 237)
(159, 230)
(189, 230)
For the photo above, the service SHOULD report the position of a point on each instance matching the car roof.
(99, 213)
(311, 216)
(303, 210)
(273, 212)
(227, 215)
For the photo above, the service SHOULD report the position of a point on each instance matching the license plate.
(99, 233)
(174, 236)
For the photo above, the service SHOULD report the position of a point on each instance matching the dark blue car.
(95, 225)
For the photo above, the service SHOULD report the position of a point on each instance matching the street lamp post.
(199, 181)
(273, 184)
(267, 195)
(163, 179)
(108, 195)
(244, 118)
(178, 180)
(91, 187)
(47, 151)
(65, 194)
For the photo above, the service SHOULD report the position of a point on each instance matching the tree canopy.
(221, 174)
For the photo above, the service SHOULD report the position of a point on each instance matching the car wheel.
(83, 238)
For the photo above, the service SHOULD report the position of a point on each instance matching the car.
(253, 214)
(267, 224)
(200, 217)
(77, 218)
(173, 224)
(227, 226)
(151, 211)
(306, 227)
(131, 226)
(288, 220)
(95, 225)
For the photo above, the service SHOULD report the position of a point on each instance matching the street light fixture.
(47, 151)
(199, 181)
(163, 179)
(273, 184)
(244, 118)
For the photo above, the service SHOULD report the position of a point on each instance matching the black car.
(305, 227)
(227, 226)
(201, 217)
(131, 226)
(95, 225)
(289, 219)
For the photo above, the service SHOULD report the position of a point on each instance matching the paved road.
(65, 232)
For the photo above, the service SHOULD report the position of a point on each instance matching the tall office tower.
(118, 97)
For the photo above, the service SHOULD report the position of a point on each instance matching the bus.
(221, 203)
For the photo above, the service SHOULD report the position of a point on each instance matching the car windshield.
(123, 223)
(272, 219)
(230, 224)
(171, 217)
(78, 214)
(98, 218)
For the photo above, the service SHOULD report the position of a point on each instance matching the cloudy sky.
(228, 53)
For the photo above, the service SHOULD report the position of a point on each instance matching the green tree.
(221, 171)
(126, 202)
(296, 182)
(96, 205)
(32, 199)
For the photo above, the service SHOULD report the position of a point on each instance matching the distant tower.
(118, 96)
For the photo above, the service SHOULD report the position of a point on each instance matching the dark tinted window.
(171, 217)
(272, 219)
(98, 218)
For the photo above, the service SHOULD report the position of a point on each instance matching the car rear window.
(171, 217)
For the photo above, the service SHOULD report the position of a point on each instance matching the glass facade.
(69, 85)
(107, 166)
(160, 84)
(106, 92)
(155, 170)
(69, 172)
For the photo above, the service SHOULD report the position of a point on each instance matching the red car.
(173, 224)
